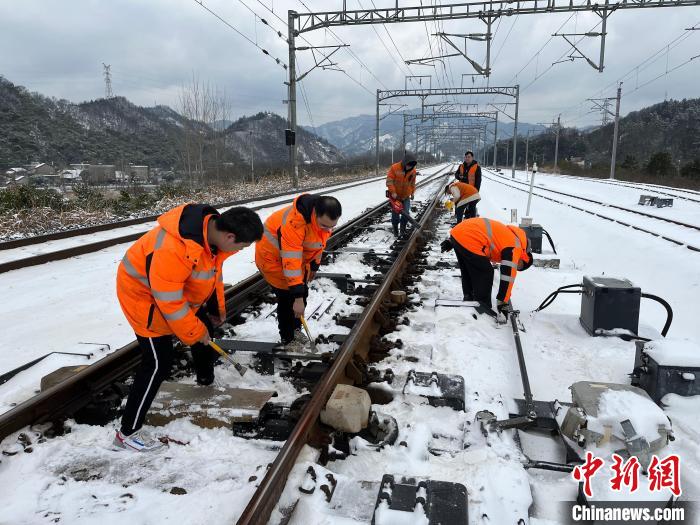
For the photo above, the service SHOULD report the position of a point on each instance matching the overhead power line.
(246, 37)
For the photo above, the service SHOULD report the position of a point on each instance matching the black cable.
(551, 242)
(669, 311)
(562, 289)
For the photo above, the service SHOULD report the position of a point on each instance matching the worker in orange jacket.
(479, 242)
(289, 256)
(401, 185)
(464, 198)
(469, 171)
(170, 282)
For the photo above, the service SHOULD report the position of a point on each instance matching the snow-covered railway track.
(677, 193)
(523, 187)
(66, 397)
(24, 253)
(88, 230)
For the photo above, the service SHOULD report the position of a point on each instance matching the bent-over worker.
(401, 186)
(170, 282)
(464, 198)
(479, 242)
(289, 256)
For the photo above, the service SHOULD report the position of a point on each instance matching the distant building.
(72, 175)
(139, 173)
(15, 172)
(96, 173)
(40, 168)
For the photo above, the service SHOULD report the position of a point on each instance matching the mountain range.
(114, 130)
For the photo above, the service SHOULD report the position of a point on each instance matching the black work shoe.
(205, 378)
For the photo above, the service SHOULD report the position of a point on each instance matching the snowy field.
(22, 252)
(71, 305)
(684, 211)
(219, 471)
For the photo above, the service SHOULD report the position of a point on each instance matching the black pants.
(157, 356)
(477, 275)
(286, 321)
(466, 211)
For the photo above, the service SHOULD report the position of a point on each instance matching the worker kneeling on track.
(464, 198)
(170, 283)
(289, 256)
(479, 242)
(401, 186)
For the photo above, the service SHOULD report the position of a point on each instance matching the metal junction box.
(660, 370)
(609, 303)
(534, 233)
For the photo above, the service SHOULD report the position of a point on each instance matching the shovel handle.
(240, 368)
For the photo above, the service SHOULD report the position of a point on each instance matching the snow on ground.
(77, 479)
(558, 353)
(62, 305)
(216, 466)
(62, 244)
(683, 211)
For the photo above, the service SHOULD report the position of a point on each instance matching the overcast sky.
(57, 48)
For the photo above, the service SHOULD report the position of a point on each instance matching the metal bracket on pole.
(325, 62)
(603, 14)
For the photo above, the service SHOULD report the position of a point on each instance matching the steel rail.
(641, 186)
(82, 249)
(267, 495)
(77, 391)
(608, 205)
(611, 219)
(76, 232)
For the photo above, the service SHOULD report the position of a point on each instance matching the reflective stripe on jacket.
(463, 193)
(504, 244)
(292, 245)
(401, 182)
(169, 273)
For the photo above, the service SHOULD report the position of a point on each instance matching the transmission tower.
(108, 80)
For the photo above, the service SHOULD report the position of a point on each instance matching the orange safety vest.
(491, 238)
(292, 245)
(169, 273)
(400, 182)
(471, 173)
(467, 193)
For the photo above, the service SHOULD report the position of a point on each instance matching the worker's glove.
(446, 246)
(504, 308)
(449, 205)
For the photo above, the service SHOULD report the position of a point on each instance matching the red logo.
(625, 473)
(663, 473)
(586, 471)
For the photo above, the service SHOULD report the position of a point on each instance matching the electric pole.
(292, 101)
(108, 80)
(556, 145)
(615, 131)
(527, 147)
(252, 157)
(495, 141)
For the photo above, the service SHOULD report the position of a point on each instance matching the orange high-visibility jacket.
(292, 245)
(463, 193)
(401, 182)
(169, 273)
(473, 174)
(501, 243)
